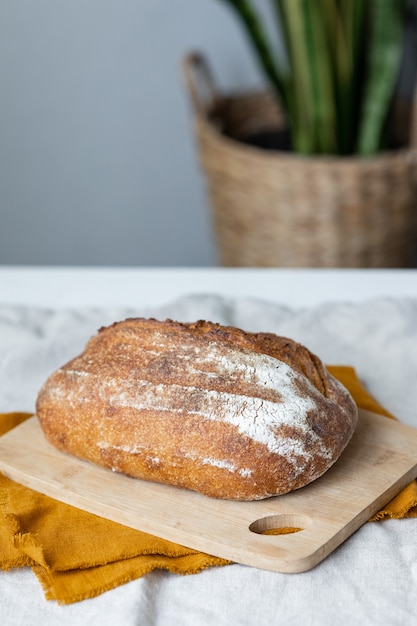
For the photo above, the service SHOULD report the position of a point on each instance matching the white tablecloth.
(370, 579)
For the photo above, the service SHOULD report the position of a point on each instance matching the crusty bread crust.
(211, 408)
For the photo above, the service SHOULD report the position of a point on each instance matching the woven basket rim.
(234, 145)
(205, 120)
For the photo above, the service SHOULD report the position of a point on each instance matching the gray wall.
(98, 164)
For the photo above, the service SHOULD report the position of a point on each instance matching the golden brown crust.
(207, 407)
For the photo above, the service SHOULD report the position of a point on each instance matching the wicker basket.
(280, 209)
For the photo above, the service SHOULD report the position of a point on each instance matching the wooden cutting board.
(379, 461)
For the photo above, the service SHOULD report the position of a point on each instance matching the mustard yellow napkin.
(77, 555)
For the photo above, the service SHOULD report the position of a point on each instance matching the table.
(105, 286)
(363, 318)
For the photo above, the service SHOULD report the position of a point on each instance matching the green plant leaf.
(321, 69)
(259, 40)
(345, 28)
(299, 82)
(385, 51)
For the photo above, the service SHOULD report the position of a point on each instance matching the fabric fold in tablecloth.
(77, 555)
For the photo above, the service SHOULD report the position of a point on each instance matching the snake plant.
(337, 77)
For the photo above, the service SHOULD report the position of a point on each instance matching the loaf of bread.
(201, 406)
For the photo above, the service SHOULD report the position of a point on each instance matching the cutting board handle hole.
(283, 524)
